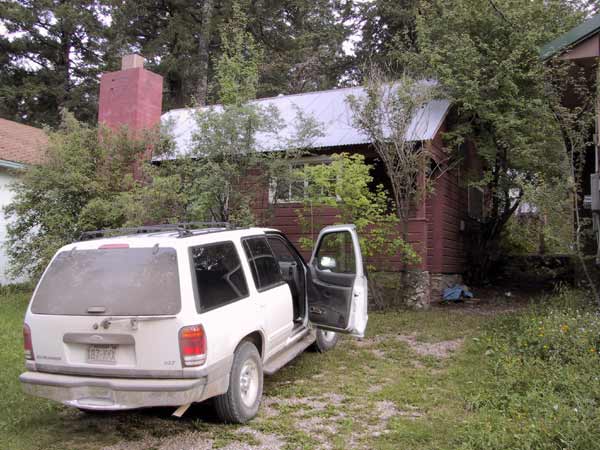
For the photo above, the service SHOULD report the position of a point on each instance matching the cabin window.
(476, 203)
(291, 188)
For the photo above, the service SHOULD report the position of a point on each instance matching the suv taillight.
(27, 342)
(192, 345)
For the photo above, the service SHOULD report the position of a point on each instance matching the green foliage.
(81, 186)
(344, 184)
(304, 43)
(183, 41)
(86, 182)
(538, 387)
(177, 40)
(548, 225)
(388, 33)
(227, 165)
(52, 59)
(237, 66)
(488, 64)
(386, 115)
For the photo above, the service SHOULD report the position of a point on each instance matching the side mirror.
(327, 262)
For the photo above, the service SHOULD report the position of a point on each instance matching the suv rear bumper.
(120, 393)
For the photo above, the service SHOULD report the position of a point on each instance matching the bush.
(536, 384)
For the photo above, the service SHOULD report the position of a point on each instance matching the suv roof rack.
(184, 229)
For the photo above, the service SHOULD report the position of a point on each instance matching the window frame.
(197, 300)
(293, 248)
(296, 164)
(470, 203)
(251, 263)
(316, 261)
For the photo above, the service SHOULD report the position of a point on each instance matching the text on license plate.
(102, 353)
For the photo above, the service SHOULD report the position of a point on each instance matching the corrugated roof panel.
(329, 108)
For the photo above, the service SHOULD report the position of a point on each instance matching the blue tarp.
(457, 292)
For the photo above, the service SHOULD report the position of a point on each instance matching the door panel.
(274, 296)
(337, 282)
(292, 271)
(329, 302)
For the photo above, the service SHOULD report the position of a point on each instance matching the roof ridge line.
(273, 97)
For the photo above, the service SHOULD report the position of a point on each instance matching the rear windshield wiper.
(133, 320)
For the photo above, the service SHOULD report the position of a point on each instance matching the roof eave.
(564, 43)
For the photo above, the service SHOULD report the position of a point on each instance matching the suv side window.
(265, 269)
(219, 275)
(281, 250)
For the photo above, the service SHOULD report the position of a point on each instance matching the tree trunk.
(64, 68)
(203, 53)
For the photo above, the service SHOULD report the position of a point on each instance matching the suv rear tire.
(326, 340)
(241, 401)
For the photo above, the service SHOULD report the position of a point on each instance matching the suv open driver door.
(337, 285)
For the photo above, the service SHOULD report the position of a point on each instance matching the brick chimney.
(131, 97)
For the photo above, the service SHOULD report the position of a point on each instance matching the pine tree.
(50, 58)
(387, 31)
(303, 44)
(177, 38)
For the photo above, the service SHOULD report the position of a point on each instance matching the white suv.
(167, 317)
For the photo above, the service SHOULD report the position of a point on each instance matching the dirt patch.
(378, 353)
(386, 410)
(188, 441)
(305, 403)
(202, 441)
(418, 364)
(371, 341)
(440, 350)
(373, 389)
(267, 441)
(320, 428)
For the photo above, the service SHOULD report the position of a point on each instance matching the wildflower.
(564, 328)
(592, 350)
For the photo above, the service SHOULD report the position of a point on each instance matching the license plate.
(102, 353)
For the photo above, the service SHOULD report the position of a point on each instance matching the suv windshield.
(116, 281)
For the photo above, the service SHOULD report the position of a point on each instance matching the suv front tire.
(325, 340)
(241, 401)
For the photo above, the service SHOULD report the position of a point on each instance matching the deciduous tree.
(486, 57)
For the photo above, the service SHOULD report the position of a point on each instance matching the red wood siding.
(434, 229)
(448, 206)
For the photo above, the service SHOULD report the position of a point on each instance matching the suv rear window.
(116, 281)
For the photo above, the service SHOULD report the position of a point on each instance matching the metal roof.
(572, 37)
(329, 108)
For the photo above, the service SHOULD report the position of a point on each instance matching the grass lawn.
(453, 377)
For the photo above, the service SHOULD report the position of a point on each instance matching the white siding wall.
(5, 197)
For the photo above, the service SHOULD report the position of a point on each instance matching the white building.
(20, 146)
